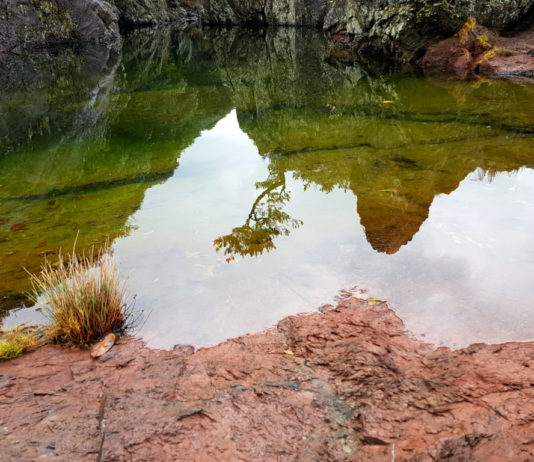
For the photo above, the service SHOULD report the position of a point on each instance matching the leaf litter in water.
(18, 227)
(45, 253)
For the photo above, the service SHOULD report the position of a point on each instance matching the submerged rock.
(357, 387)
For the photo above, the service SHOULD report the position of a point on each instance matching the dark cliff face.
(34, 23)
(273, 12)
(394, 28)
(397, 28)
(133, 13)
(30, 24)
(405, 27)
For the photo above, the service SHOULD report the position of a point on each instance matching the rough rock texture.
(277, 12)
(397, 28)
(404, 28)
(482, 53)
(347, 385)
(400, 28)
(35, 23)
(40, 23)
(151, 12)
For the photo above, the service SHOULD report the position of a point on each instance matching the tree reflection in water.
(266, 221)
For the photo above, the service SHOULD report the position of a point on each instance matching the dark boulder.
(37, 23)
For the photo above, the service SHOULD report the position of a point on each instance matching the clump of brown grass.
(19, 340)
(84, 297)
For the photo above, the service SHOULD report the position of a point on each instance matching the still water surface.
(245, 178)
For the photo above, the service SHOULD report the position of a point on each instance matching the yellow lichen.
(488, 55)
(55, 21)
(463, 33)
(17, 341)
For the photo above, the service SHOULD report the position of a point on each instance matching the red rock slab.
(511, 57)
(518, 66)
(356, 388)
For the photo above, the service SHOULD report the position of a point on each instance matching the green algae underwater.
(105, 144)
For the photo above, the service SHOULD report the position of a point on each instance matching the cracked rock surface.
(345, 385)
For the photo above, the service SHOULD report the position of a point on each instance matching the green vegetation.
(85, 298)
(19, 340)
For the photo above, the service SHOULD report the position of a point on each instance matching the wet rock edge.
(349, 384)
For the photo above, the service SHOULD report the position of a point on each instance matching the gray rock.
(401, 28)
(273, 12)
(405, 27)
(151, 12)
(37, 23)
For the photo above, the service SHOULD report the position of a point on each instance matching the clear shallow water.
(244, 179)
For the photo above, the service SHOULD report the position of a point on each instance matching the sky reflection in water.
(427, 204)
(462, 278)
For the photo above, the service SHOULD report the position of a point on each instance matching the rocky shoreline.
(346, 384)
(398, 30)
(477, 52)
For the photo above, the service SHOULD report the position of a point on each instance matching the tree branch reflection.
(266, 221)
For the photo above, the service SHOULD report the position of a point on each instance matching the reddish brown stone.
(449, 57)
(520, 65)
(342, 37)
(499, 57)
(357, 388)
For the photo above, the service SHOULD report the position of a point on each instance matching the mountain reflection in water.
(280, 159)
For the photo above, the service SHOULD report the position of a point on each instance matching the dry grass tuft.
(84, 297)
(19, 340)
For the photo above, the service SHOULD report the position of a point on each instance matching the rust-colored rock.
(357, 388)
(479, 52)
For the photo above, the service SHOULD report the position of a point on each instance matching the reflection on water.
(247, 178)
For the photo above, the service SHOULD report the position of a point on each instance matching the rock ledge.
(346, 385)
